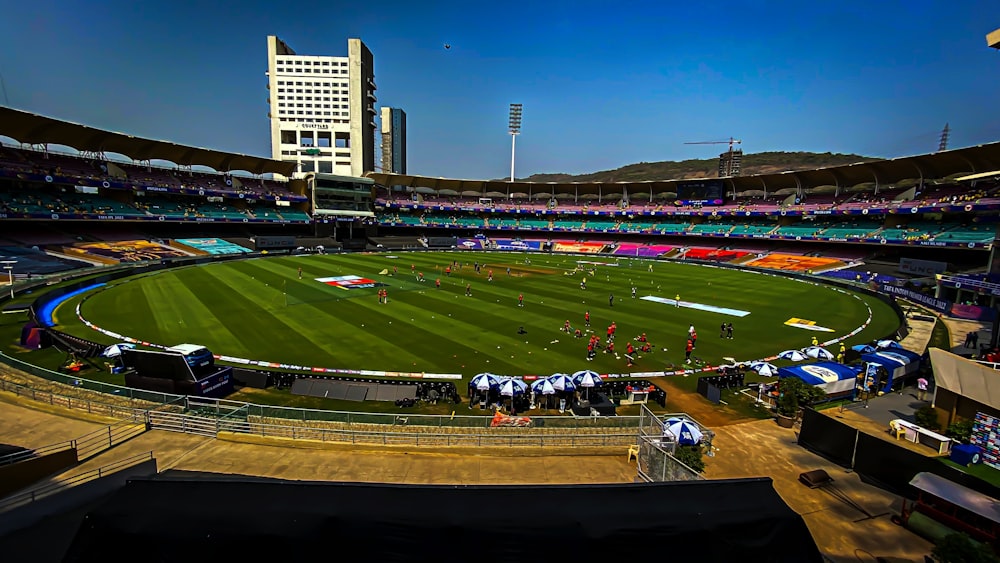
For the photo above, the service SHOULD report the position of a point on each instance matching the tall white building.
(322, 109)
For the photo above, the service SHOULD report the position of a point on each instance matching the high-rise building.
(322, 109)
(393, 140)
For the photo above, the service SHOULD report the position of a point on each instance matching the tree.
(959, 548)
(960, 431)
(926, 417)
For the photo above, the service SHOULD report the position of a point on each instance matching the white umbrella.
(793, 355)
(686, 432)
(116, 350)
(819, 352)
(543, 387)
(765, 369)
(562, 382)
(485, 381)
(587, 379)
(510, 387)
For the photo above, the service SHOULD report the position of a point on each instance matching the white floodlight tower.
(9, 266)
(514, 128)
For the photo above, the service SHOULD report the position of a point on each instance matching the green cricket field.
(332, 317)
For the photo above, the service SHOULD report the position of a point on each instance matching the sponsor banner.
(806, 324)
(937, 304)
(921, 267)
(511, 244)
(971, 312)
(350, 282)
(580, 247)
(471, 244)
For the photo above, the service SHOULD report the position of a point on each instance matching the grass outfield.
(259, 309)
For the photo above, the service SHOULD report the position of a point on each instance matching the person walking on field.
(611, 300)
(300, 272)
(677, 300)
(687, 351)
(586, 318)
(729, 330)
(520, 300)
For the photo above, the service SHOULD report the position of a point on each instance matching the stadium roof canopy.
(37, 129)
(965, 161)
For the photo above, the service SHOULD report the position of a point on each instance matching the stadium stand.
(32, 262)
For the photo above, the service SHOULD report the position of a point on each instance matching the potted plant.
(795, 393)
(788, 402)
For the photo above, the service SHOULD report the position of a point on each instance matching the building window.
(325, 167)
(307, 166)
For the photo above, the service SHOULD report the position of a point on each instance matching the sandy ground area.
(764, 448)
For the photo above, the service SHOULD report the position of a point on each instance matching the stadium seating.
(752, 229)
(847, 229)
(780, 261)
(718, 228)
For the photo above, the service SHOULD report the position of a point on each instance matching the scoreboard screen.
(705, 192)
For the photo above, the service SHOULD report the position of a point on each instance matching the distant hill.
(757, 163)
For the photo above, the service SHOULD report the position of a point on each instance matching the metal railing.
(208, 417)
(48, 489)
(208, 426)
(441, 421)
(22, 455)
(98, 441)
(119, 412)
(86, 446)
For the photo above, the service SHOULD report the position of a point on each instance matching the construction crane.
(729, 161)
(730, 142)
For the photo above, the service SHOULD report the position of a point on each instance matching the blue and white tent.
(832, 377)
(897, 361)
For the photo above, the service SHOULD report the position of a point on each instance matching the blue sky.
(603, 84)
